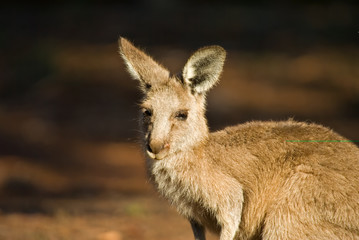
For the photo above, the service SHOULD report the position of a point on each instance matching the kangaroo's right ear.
(141, 66)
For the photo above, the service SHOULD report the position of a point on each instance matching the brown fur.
(247, 181)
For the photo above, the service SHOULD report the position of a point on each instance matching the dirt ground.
(109, 218)
(70, 162)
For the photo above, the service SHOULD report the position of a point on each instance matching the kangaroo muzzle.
(157, 149)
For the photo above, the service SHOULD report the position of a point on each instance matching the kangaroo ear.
(141, 66)
(203, 68)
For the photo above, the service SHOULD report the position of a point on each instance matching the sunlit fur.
(247, 181)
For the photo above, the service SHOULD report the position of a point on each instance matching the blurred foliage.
(25, 70)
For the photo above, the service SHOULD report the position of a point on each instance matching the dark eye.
(147, 113)
(182, 115)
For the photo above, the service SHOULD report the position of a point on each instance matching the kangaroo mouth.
(157, 152)
(158, 156)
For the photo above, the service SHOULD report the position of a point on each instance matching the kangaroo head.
(173, 107)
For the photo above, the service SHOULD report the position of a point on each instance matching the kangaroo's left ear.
(203, 68)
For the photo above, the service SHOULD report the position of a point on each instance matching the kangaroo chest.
(179, 188)
(192, 192)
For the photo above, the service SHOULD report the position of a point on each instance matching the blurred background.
(70, 165)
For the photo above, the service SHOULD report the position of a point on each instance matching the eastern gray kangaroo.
(257, 180)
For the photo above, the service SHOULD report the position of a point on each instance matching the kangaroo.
(257, 180)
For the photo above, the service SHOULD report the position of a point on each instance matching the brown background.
(70, 165)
